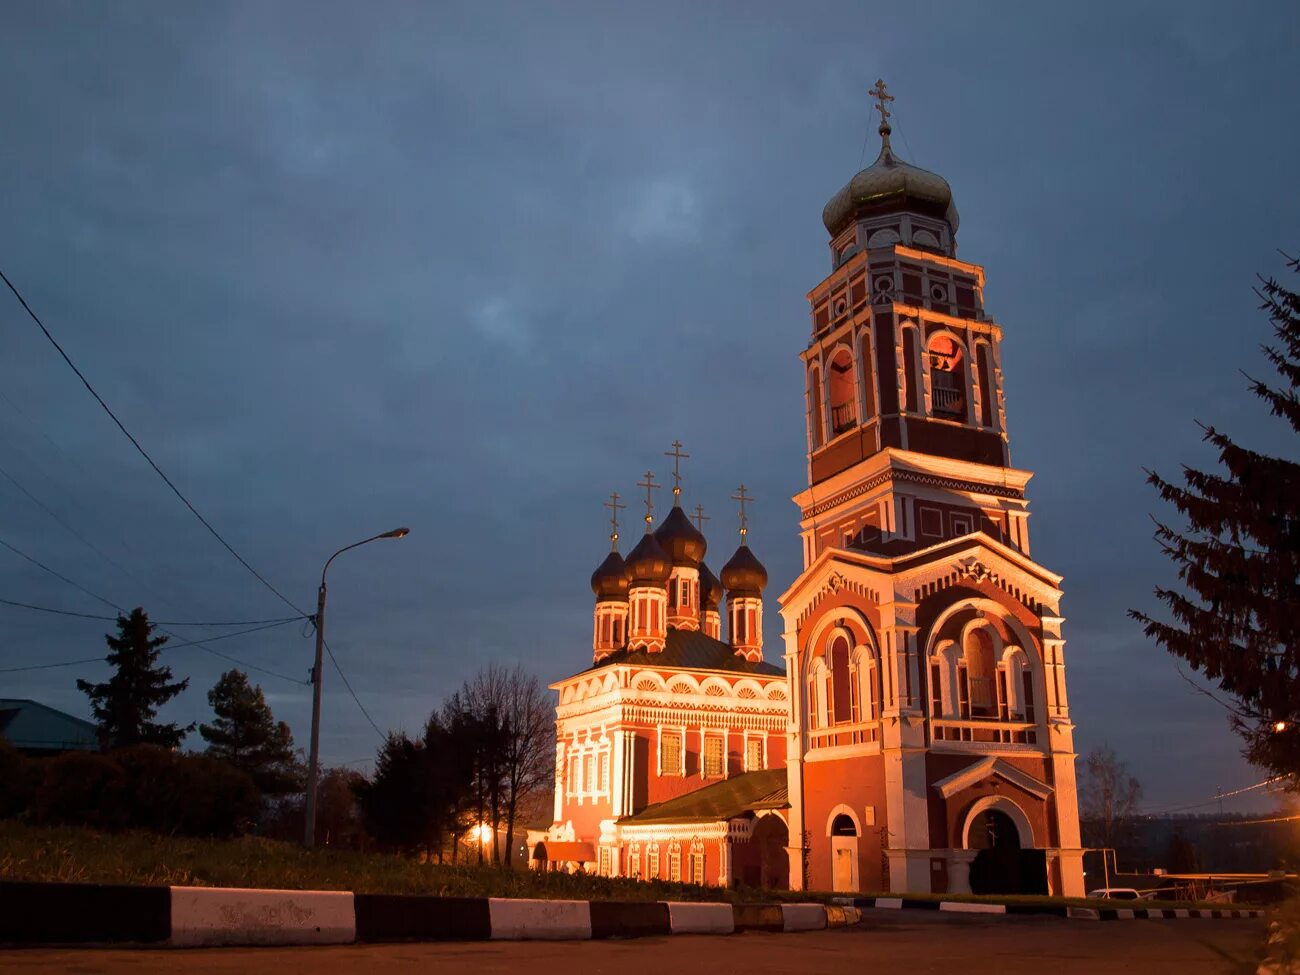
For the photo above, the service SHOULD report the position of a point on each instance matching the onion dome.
(710, 588)
(744, 574)
(648, 563)
(610, 581)
(682, 541)
(889, 185)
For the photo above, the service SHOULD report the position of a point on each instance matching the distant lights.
(1280, 726)
(483, 833)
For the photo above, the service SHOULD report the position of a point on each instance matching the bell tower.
(923, 644)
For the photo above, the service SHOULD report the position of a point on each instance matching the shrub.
(18, 773)
(80, 788)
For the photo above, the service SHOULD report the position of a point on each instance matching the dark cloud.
(468, 267)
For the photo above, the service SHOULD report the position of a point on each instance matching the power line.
(1214, 799)
(163, 627)
(111, 619)
(201, 644)
(143, 453)
(343, 677)
(59, 575)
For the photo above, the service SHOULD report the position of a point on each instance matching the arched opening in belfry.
(945, 361)
(843, 392)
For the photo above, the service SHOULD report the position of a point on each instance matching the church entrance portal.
(1002, 866)
(771, 836)
(844, 854)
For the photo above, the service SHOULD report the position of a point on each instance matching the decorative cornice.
(911, 477)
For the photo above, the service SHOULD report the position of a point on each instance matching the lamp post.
(313, 766)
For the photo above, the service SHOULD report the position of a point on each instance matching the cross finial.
(650, 487)
(613, 505)
(881, 94)
(744, 498)
(677, 456)
(699, 518)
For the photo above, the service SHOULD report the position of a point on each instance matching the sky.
(469, 267)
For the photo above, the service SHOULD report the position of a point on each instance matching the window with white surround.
(714, 757)
(675, 862)
(652, 861)
(670, 753)
(603, 787)
(753, 754)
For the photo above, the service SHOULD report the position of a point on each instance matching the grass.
(78, 855)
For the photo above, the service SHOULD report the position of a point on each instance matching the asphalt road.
(916, 942)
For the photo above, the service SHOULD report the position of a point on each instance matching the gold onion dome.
(610, 581)
(682, 541)
(743, 573)
(710, 588)
(648, 563)
(888, 185)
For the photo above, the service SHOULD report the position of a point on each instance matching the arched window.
(818, 678)
(981, 672)
(843, 396)
(814, 408)
(841, 685)
(868, 696)
(842, 825)
(947, 368)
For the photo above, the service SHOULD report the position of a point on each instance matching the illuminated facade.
(919, 737)
(931, 744)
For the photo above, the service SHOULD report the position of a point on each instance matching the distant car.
(1115, 894)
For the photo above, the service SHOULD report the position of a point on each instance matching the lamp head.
(396, 533)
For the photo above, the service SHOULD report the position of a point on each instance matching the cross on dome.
(678, 456)
(650, 486)
(613, 505)
(881, 94)
(699, 518)
(744, 498)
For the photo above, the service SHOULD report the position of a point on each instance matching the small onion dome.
(887, 186)
(744, 574)
(710, 588)
(648, 563)
(610, 581)
(680, 539)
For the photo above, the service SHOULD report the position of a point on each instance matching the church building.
(918, 738)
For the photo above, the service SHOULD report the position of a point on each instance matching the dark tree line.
(1236, 617)
(480, 760)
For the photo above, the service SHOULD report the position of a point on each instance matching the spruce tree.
(125, 705)
(246, 735)
(1237, 618)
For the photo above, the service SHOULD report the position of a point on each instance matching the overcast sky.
(468, 268)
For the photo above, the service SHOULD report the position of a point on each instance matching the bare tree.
(1110, 795)
(512, 718)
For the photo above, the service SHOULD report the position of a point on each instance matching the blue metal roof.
(32, 726)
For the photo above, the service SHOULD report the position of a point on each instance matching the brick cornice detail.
(910, 477)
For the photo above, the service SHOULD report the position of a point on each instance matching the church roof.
(724, 800)
(691, 650)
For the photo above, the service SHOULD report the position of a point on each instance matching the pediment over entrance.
(987, 768)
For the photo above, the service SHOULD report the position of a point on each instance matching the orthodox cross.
(677, 456)
(613, 505)
(744, 498)
(650, 486)
(881, 94)
(699, 518)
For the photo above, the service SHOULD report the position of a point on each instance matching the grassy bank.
(78, 855)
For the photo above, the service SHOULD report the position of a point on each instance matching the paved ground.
(916, 942)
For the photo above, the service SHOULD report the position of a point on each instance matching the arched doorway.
(771, 836)
(844, 854)
(1003, 863)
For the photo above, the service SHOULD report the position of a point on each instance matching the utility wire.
(109, 602)
(201, 644)
(344, 677)
(1211, 801)
(143, 453)
(96, 616)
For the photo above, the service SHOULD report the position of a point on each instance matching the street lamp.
(313, 766)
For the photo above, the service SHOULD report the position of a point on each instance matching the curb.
(1076, 913)
(41, 913)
